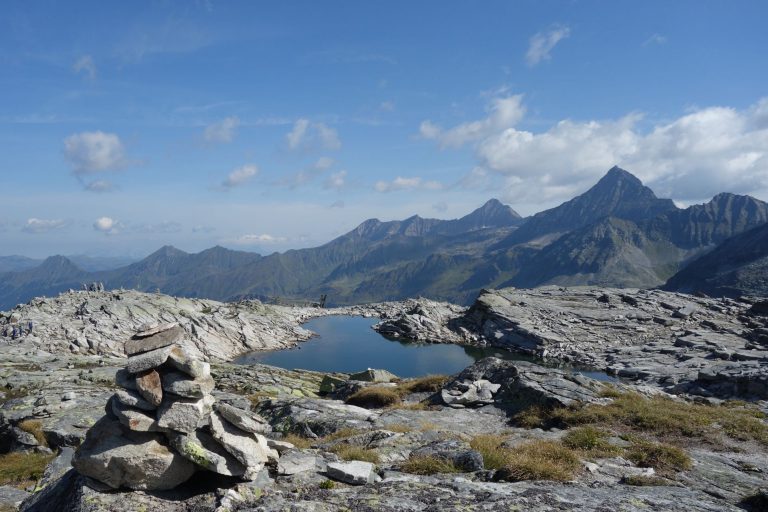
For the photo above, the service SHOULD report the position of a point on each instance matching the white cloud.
(323, 163)
(697, 155)
(336, 181)
(441, 207)
(240, 176)
(203, 229)
(37, 226)
(100, 186)
(655, 39)
(222, 131)
(307, 135)
(94, 152)
(106, 225)
(387, 106)
(401, 183)
(254, 239)
(85, 64)
(542, 43)
(503, 112)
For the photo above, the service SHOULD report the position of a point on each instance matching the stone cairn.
(162, 424)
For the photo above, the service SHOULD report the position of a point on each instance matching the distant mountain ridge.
(617, 233)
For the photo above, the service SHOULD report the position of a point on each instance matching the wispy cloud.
(240, 176)
(37, 226)
(336, 180)
(222, 131)
(86, 66)
(542, 43)
(655, 39)
(400, 183)
(307, 135)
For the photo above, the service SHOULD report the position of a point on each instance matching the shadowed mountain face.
(618, 233)
(738, 266)
(618, 194)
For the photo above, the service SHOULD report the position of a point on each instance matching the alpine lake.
(348, 344)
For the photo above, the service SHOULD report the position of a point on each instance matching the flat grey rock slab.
(148, 360)
(155, 328)
(355, 472)
(164, 338)
(206, 452)
(134, 419)
(295, 462)
(244, 420)
(182, 385)
(133, 399)
(183, 361)
(249, 449)
(183, 415)
(135, 460)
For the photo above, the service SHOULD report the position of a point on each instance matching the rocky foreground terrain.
(682, 429)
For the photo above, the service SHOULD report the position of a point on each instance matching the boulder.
(372, 375)
(140, 344)
(354, 472)
(119, 458)
(295, 462)
(518, 385)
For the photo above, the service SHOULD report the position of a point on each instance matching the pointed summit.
(493, 214)
(618, 194)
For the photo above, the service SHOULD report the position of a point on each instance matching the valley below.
(680, 425)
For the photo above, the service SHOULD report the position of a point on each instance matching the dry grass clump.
(352, 452)
(490, 447)
(302, 442)
(671, 420)
(534, 460)
(392, 396)
(299, 442)
(34, 427)
(427, 384)
(400, 428)
(664, 458)
(540, 460)
(428, 465)
(375, 397)
(590, 440)
(21, 469)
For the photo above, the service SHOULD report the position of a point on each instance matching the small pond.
(348, 344)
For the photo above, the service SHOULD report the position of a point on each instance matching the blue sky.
(271, 125)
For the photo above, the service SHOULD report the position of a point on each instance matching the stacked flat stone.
(162, 424)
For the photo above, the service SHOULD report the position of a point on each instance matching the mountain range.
(618, 233)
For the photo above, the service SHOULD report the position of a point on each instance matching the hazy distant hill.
(618, 233)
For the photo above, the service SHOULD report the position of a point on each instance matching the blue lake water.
(348, 344)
